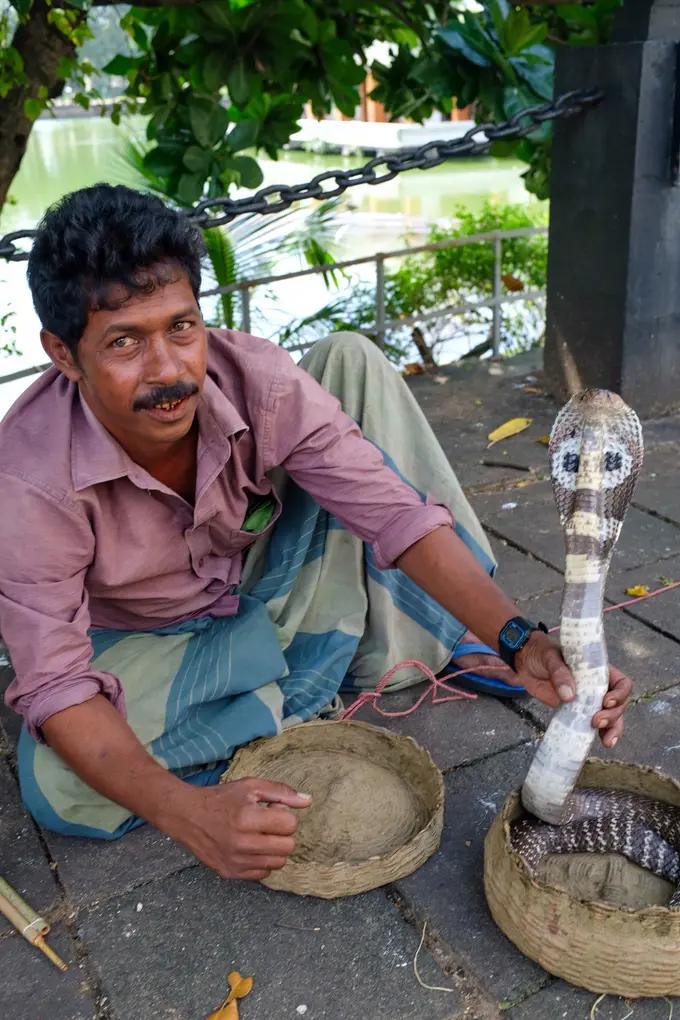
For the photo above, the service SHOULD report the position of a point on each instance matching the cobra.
(596, 454)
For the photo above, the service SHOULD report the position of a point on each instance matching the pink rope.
(439, 683)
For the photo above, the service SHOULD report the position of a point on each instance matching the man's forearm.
(98, 744)
(443, 566)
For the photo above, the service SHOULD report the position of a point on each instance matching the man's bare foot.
(498, 669)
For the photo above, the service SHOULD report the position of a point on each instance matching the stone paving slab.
(454, 732)
(560, 1001)
(658, 489)
(23, 862)
(171, 958)
(33, 989)
(528, 518)
(448, 889)
(93, 869)
(652, 733)
(663, 611)
(520, 575)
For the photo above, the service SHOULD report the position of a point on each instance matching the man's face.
(141, 366)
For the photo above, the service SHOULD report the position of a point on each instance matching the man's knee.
(351, 345)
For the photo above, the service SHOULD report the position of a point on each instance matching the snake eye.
(613, 460)
(570, 462)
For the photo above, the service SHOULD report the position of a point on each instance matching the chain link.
(213, 212)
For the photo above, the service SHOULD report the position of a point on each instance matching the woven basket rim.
(513, 800)
(342, 877)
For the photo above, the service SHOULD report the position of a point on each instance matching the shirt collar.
(97, 457)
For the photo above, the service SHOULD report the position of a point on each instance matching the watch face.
(513, 634)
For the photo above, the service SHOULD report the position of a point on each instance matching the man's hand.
(242, 829)
(543, 672)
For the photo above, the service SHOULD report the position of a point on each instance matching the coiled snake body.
(596, 455)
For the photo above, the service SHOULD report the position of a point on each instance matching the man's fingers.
(259, 862)
(253, 844)
(560, 674)
(254, 874)
(270, 821)
(610, 736)
(266, 791)
(620, 688)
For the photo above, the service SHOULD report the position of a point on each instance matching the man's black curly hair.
(103, 235)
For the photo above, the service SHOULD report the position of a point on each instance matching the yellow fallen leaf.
(508, 429)
(229, 1011)
(478, 403)
(544, 440)
(637, 590)
(240, 988)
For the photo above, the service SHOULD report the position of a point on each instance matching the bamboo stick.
(24, 928)
(38, 923)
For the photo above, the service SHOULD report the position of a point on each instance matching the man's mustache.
(164, 395)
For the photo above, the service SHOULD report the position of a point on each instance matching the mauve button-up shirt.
(89, 539)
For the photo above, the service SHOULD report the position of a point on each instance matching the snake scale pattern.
(595, 457)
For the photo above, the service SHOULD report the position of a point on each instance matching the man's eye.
(122, 341)
(182, 325)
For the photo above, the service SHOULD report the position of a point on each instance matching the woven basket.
(592, 944)
(377, 804)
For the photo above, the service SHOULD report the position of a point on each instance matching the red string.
(437, 683)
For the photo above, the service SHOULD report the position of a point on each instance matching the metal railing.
(497, 299)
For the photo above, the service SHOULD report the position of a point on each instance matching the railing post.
(380, 299)
(245, 309)
(497, 295)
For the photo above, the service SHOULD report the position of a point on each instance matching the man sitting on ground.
(200, 542)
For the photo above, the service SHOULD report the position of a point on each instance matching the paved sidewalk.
(150, 934)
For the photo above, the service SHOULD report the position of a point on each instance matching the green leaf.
(197, 160)
(164, 159)
(33, 108)
(244, 135)
(208, 120)
(121, 65)
(240, 84)
(82, 100)
(244, 170)
(190, 188)
(215, 70)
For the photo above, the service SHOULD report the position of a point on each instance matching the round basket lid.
(377, 804)
(600, 927)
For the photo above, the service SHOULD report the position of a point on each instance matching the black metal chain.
(214, 212)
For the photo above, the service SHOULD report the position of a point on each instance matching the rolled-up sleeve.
(324, 451)
(46, 546)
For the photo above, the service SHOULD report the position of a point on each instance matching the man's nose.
(162, 364)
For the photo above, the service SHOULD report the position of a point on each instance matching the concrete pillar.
(613, 313)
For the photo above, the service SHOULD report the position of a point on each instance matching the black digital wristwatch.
(514, 635)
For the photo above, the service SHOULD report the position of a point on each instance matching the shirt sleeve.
(324, 451)
(46, 547)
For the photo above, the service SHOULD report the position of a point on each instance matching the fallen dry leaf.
(544, 440)
(533, 389)
(478, 403)
(508, 429)
(637, 590)
(512, 282)
(413, 368)
(229, 1011)
(240, 986)
(666, 581)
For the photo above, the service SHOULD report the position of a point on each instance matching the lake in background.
(69, 153)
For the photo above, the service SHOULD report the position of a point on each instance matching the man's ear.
(58, 353)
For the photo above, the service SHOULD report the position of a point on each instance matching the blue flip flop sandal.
(480, 683)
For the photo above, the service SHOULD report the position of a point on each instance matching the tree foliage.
(222, 79)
